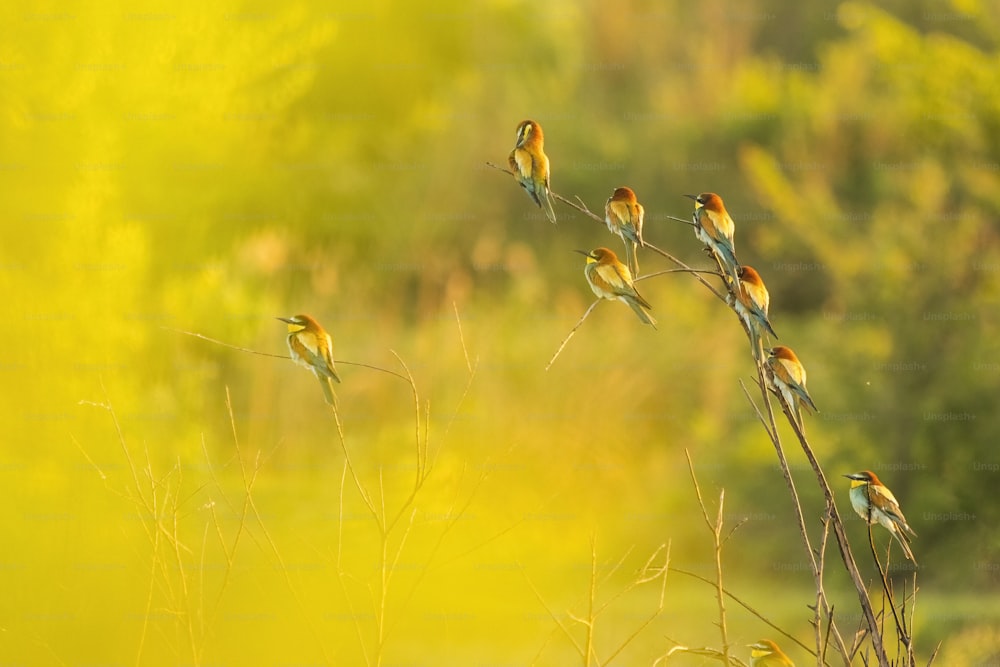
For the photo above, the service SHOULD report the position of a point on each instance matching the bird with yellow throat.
(610, 279)
(624, 214)
(787, 376)
(751, 301)
(531, 166)
(714, 227)
(311, 346)
(874, 502)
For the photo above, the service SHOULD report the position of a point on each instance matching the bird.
(311, 346)
(751, 302)
(531, 166)
(610, 279)
(714, 228)
(623, 214)
(765, 653)
(788, 376)
(874, 502)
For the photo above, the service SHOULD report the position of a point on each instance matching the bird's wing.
(540, 164)
(883, 499)
(632, 222)
(638, 218)
(610, 274)
(522, 162)
(312, 353)
(755, 302)
(618, 276)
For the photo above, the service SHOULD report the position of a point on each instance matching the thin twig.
(461, 337)
(570, 335)
(277, 356)
(771, 427)
(715, 527)
(746, 606)
(665, 271)
(900, 626)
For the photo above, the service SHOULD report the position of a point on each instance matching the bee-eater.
(623, 214)
(610, 279)
(751, 303)
(531, 166)
(714, 228)
(874, 502)
(311, 346)
(789, 378)
(765, 653)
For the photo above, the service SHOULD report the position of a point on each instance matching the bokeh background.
(204, 167)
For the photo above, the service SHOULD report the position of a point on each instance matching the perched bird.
(311, 346)
(751, 303)
(624, 214)
(765, 653)
(610, 279)
(788, 377)
(714, 228)
(531, 166)
(874, 502)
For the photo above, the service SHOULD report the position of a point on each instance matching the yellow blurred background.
(169, 169)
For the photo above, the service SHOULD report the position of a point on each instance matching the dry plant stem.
(387, 559)
(341, 574)
(822, 640)
(746, 606)
(842, 543)
(552, 615)
(589, 624)
(248, 482)
(228, 552)
(937, 649)
(663, 594)
(277, 356)
(570, 335)
(716, 529)
(665, 271)
(461, 338)
(647, 574)
(148, 506)
(771, 427)
(900, 624)
(160, 499)
(389, 554)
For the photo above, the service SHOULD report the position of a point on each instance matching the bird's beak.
(694, 197)
(285, 320)
(585, 253)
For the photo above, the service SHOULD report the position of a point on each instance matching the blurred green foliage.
(200, 168)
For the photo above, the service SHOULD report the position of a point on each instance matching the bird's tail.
(545, 202)
(327, 385)
(630, 257)
(790, 398)
(765, 323)
(728, 265)
(643, 315)
(756, 343)
(807, 399)
(904, 542)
